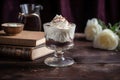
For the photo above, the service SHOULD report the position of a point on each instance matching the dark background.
(77, 11)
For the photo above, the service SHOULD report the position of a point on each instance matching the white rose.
(92, 29)
(106, 39)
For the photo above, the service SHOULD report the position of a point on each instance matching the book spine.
(15, 52)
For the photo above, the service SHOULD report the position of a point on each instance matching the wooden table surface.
(90, 64)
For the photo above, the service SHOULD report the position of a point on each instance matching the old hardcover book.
(24, 53)
(25, 38)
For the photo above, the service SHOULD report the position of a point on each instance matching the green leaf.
(102, 24)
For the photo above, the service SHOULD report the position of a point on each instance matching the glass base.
(57, 62)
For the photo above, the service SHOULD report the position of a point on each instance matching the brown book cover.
(24, 53)
(25, 38)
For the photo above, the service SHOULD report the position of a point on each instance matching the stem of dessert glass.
(59, 55)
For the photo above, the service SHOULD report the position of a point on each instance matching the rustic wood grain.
(90, 64)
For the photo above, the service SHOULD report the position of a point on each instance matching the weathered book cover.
(24, 53)
(25, 38)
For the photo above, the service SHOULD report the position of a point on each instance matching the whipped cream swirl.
(59, 29)
(59, 22)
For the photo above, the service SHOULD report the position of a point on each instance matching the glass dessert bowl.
(59, 34)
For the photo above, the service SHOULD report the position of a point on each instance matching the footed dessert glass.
(59, 39)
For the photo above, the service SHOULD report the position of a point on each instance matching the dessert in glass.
(59, 34)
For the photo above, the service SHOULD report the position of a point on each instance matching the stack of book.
(28, 45)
